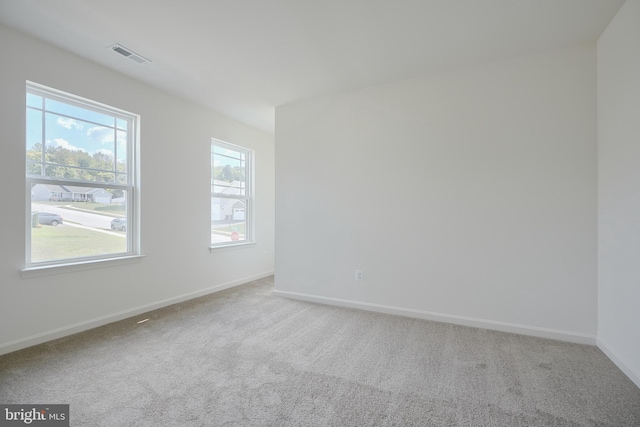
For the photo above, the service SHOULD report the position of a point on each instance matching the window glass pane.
(34, 129)
(79, 113)
(75, 221)
(229, 175)
(121, 146)
(33, 168)
(234, 188)
(228, 220)
(34, 142)
(34, 100)
(78, 174)
(217, 149)
(121, 124)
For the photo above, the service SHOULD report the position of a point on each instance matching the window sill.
(45, 270)
(230, 246)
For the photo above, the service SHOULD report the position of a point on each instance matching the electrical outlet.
(359, 276)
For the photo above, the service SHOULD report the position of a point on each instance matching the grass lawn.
(50, 243)
(90, 206)
(240, 228)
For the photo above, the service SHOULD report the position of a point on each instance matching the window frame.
(248, 198)
(130, 187)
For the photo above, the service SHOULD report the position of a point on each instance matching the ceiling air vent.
(129, 54)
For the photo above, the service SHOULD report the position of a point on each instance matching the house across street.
(69, 193)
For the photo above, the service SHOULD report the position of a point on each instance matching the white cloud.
(68, 123)
(59, 142)
(101, 134)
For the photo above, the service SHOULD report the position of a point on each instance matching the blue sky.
(234, 158)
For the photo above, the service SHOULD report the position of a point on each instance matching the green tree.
(72, 164)
(228, 173)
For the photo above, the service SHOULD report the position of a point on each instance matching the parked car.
(48, 218)
(119, 224)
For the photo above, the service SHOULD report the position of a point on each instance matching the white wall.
(468, 196)
(175, 145)
(619, 190)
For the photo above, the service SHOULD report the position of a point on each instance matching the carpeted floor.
(243, 357)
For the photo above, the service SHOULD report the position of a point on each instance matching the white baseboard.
(624, 367)
(446, 318)
(103, 320)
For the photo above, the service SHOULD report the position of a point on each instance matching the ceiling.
(243, 58)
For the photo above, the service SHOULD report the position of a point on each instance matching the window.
(231, 194)
(80, 176)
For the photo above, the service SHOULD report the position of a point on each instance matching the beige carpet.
(243, 357)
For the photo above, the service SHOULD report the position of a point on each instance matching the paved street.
(86, 219)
